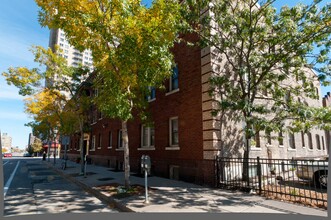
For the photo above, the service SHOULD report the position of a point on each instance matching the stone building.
(327, 103)
(6, 142)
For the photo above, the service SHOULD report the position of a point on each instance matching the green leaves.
(129, 42)
(266, 55)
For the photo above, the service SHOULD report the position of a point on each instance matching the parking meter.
(145, 163)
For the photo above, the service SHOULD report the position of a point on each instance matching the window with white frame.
(93, 143)
(120, 139)
(280, 137)
(291, 140)
(318, 142)
(94, 116)
(147, 136)
(100, 141)
(173, 130)
(151, 95)
(110, 141)
(303, 139)
(174, 79)
(257, 139)
(323, 144)
(310, 141)
(100, 115)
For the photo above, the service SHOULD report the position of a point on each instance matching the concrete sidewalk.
(176, 196)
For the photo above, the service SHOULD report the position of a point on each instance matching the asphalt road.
(31, 188)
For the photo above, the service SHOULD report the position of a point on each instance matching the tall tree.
(47, 104)
(130, 44)
(264, 55)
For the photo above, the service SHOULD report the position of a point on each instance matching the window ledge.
(151, 100)
(311, 150)
(171, 92)
(281, 146)
(119, 149)
(173, 148)
(93, 123)
(253, 148)
(146, 148)
(109, 147)
(291, 149)
(92, 150)
(99, 148)
(269, 145)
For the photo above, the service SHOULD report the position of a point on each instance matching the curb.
(108, 200)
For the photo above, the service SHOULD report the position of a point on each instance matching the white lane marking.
(5, 163)
(10, 180)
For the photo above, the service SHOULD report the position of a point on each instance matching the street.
(31, 188)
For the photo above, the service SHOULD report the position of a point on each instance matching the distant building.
(6, 142)
(72, 55)
(32, 139)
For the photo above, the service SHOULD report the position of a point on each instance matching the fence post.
(259, 174)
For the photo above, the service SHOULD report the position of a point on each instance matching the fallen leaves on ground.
(297, 196)
(118, 191)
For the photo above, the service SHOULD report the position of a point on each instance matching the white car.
(315, 171)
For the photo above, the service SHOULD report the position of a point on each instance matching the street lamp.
(55, 145)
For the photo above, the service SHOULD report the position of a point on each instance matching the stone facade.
(327, 103)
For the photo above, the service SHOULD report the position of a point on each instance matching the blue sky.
(19, 30)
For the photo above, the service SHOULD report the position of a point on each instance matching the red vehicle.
(7, 155)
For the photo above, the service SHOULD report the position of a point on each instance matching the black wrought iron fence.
(296, 180)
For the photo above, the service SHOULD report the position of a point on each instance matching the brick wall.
(186, 162)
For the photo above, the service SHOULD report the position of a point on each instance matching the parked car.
(7, 155)
(315, 171)
(27, 155)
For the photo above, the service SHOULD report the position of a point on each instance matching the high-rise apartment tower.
(72, 55)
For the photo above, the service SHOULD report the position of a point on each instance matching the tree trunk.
(81, 147)
(247, 139)
(125, 137)
(49, 149)
(246, 161)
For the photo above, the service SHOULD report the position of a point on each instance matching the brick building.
(185, 137)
